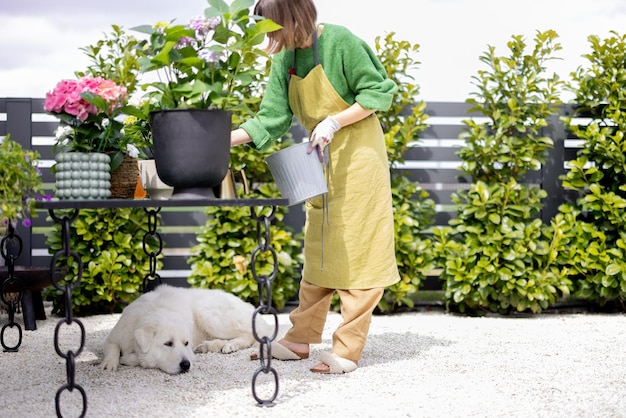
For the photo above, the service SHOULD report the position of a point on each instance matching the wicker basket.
(124, 179)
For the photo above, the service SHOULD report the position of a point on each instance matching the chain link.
(10, 249)
(265, 303)
(152, 239)
(67, 288)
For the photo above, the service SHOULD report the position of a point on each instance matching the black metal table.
(150, 203)
(64, 212)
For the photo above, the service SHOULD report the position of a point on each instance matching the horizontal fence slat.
(432, 154)
(436, 175)
(44, 128)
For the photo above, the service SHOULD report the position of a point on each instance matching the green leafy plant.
(203, 64)
(222, 257)
(116, 57)
(110, 243)
(517, 99)
(497, 255)
(137, 125)
(413, 209)
(596, 255)
(21, 183)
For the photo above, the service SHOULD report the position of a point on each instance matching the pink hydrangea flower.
(65, 98)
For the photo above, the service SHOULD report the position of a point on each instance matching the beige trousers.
(309, 317)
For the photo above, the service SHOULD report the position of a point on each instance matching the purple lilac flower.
(27, 222)
(185, 41)
(203, 26)
(211, 57)
(213, 22)
(198, 24)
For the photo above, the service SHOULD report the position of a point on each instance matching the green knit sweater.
(351, 67)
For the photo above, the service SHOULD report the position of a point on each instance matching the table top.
(150, 203)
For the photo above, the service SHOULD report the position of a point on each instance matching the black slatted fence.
(432, 162)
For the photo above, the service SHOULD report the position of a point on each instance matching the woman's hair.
(297, 18)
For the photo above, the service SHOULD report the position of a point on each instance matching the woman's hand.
(329, 126)
(322, 135)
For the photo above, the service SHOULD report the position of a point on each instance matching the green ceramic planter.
(82, 175)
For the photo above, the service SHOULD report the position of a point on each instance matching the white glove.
(322, 135)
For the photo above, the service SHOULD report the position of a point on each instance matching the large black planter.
(191, 149)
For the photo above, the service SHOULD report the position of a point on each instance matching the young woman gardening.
(333, 83)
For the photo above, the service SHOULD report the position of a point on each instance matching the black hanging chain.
(265, 303)
(11, 248)
(151, 240)
(66, 287)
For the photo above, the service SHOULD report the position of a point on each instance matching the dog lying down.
(165, 327)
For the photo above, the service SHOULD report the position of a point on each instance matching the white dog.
(163, 328)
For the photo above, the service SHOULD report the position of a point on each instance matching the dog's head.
(164, 345)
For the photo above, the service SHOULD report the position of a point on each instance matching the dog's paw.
(232, 346)
(110, 364)
(213, 346)
(111, 359)
(220, 346)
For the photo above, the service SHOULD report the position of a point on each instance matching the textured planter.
(191, 150)
(82, 175)
(124, 179)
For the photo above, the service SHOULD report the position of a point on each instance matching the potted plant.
(89, 110)
(200, 68)
(115, 57)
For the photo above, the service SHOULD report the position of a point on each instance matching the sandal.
(336, 364)
(280, 352)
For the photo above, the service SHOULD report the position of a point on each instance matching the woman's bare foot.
(298, 348)
(286, 350)
(332, 363)
(320, 368)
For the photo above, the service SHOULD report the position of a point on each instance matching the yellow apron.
(354, 247)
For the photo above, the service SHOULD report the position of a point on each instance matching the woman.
(333, 83)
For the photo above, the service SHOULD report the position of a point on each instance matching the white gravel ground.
(421, 364)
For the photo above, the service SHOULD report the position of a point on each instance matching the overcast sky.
(40, 39)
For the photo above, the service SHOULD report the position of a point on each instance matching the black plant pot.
(191, 149)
